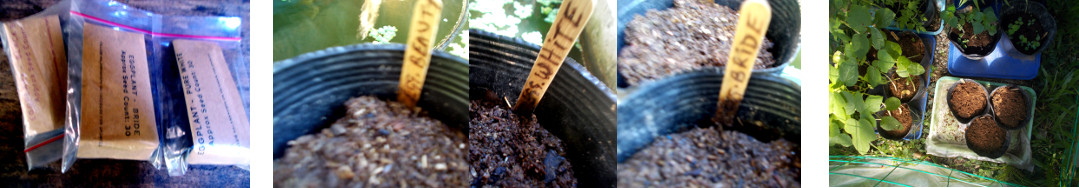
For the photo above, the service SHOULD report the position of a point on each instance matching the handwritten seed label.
(421, 35)
(752, 25)
(39, 64)
(117, 119)
(572, 16)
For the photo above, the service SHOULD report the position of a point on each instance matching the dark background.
(101, 172)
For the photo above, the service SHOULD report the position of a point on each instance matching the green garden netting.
(870, 171)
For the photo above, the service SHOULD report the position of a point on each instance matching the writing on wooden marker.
(572, 16)
(752, 25)
(418, 51)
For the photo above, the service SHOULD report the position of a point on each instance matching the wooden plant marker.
(572, 16)
(421, 36)
(752, 25)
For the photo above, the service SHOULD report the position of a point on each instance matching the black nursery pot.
(975, 52)
(310, 89)
(577, 108)
(1028, 11)
(771, 108)
(784, 30)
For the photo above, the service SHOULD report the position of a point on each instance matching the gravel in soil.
(986, 138)
(1009, 106)
(967, 99)
(710, 157)
(508, 150)
(377, 144)
(903, 114)
(693, 34)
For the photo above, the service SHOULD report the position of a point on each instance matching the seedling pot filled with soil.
(675, 115)
(577, 109)
(974, 30)
(986, 138)
(908, 87)
(657, 39)
(1028, 27)
(1010, 106)
(967, 99)
(337, 121)
(906, 118)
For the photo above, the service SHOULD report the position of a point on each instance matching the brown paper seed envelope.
(39, 64)
(219, 124)
(117, 119)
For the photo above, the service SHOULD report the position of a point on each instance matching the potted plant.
(1028, 27)
(862, 57)
(914, 15)
(973, 28)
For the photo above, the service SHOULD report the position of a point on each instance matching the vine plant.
(855, 32)
(980, 21)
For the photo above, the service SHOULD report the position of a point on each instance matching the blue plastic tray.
(996, 65)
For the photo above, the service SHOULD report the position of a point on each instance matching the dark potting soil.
(906, 120)
(1031, 29)
(986, 138)
(910, 43)
(904, 88)
(507, 150)
(967, 99)
(710, 157)
(693, 34)
(970, 43)
(1009, 106)
(377, 144)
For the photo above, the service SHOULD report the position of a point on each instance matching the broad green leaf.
(838, 107)
(884, 17)
(837, 137)
(858, 18)
(833, 73)
(978, 28)
(872, 103)
(892, 103)
(894, 49)
(861, 134)
(877, 38)
(915, 69)
(853, 102)
(884, 61)
(842, 139)
(859, 46)
(873, 76)
(902, 65)
(889, 123)
(848, 72)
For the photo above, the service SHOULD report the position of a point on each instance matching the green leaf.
(884, 61)
(848, 72)
(884, 17)
(854, 101)
(892, 103)
(859, 46)
(978, 28)
(872, 103)
(873, 76)
(889, 123)
(877, 38)
(894, 49)
(902, 65)
(858, 18)
(833, 74)
(838, 107)
(838, 137)
(915, 69)
(861, 134)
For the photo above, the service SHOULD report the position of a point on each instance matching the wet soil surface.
(710, 157)
(508, 150)
(1010, 106)
(691, 35)
(380, 144)
(985, 138)
(968, 99)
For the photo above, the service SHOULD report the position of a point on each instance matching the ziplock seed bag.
(35, 49)
(161, 102)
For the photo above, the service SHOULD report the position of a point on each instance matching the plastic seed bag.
(35, 48)
(169, 110)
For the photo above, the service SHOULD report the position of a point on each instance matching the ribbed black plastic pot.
(310, 89)
(770, 109)
(1040, 13)
(784, 30)
(577, 108)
